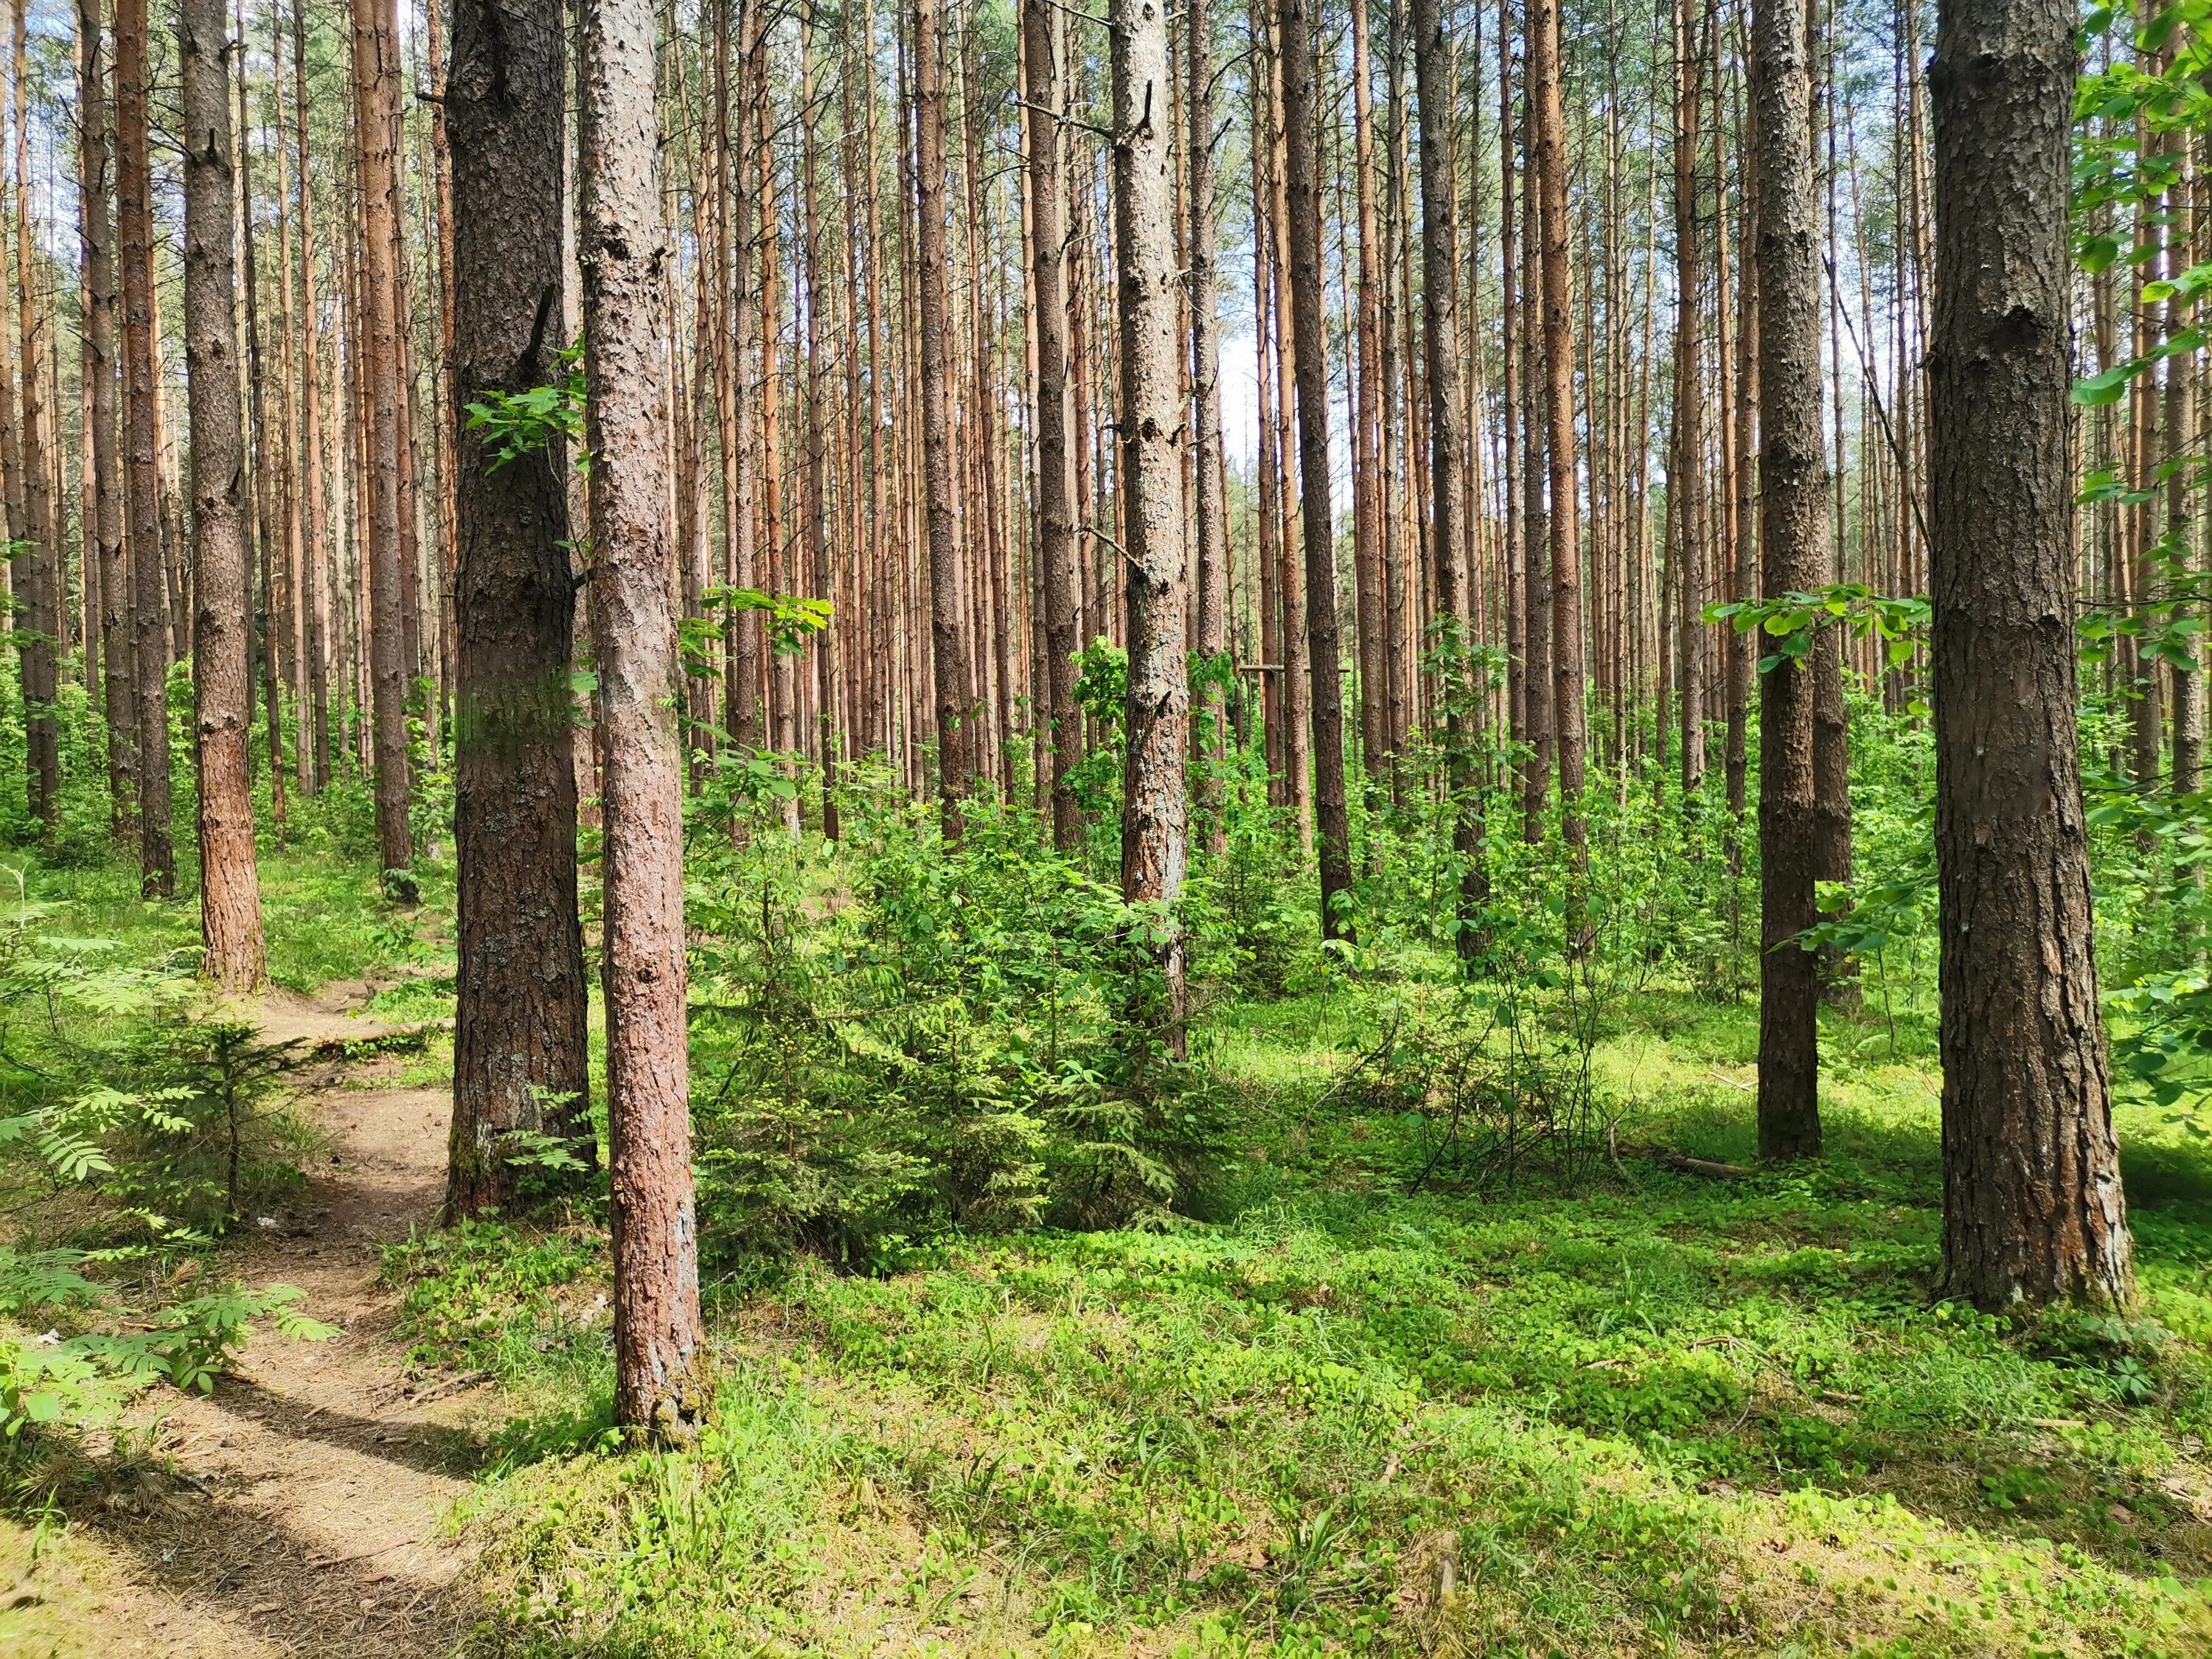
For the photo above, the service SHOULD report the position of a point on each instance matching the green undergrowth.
(1660, 1414)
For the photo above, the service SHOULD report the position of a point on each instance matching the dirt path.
(314, 1479)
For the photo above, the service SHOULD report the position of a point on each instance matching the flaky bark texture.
(1432, 74)
(376, 122)
(1155, 816)
(520, 1035)
(1042, 43)
(1793, 533)
(134, 217)
(948, 632)
(230, 882)
(660, 1386)
(106, 551)
(1309, 334)
(2033, 1208)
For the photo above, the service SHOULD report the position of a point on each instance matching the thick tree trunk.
(1155, 814)
(660, 1357)
(519, 1041)
(1309, 325)
(2033, 1208)
(1448, 451)
(230, 884)
(376, 121)
(105, 545)
(134, 217)
(957, 708)
(1042, 45)
(1793, 505)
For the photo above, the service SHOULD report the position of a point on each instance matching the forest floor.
(1655, 1413)
(302, 1506)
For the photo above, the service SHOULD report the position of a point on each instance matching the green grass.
(1670, 1414)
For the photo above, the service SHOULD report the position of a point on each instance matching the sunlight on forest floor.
(1664, 1413)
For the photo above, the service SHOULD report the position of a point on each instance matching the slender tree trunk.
(2033, 1208)
(660, 1354)
(1448, 451)
(376, 120)
(1042, 46)
(1686, 460)
(520, 1032)
(1308, 322)
(1794, 546)
(317, 561)
(134, 218)
(1549, 163)
(230, 884)
(41, 564)
(267, 610)
(106, 548)
(956, 706)
(1213, 512)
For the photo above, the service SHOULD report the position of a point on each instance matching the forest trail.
(316, 1477)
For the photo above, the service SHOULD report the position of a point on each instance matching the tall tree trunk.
(230, 883)
(1213, 509)
(1043, 45)
(1448, 452)
(1794, 545)
(376, 121)
(2032, 1209)
(1549, 161)
(105, 545)
(957, 710)
(1308, 323)
(520, 1031)
(1686, 458)
(1369, 490)
(134, 218)
(269, 609)
(660, 1352)
(317, 564)
(42, 563)
(1155, 823)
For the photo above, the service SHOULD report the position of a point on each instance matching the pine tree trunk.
(230, 886)
(317, 565)
(1549, 162)
(1155, 822)
(134, 218)
(1794, 547)
(1213, 511)
(954, 683)
(660, 1356)
(2033, 1208)
(1448, 450)
(520, 1039)
(106, 551)
(1043, 43)
(1308, 322)
(376, 120)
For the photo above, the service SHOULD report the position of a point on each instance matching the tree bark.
(106, 552)
(230, 884)
(1209, 462)
(2033, 1208)
(660, 1356)
(1042, 43)
(134, 216)
(520, 1032)
(1548, 161)
(957, 708)
(376, 121)
(1793, 511)
(1308, 326)
(1448, 451)
(1155, 814)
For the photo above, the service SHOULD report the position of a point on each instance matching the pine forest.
(1061, 829)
